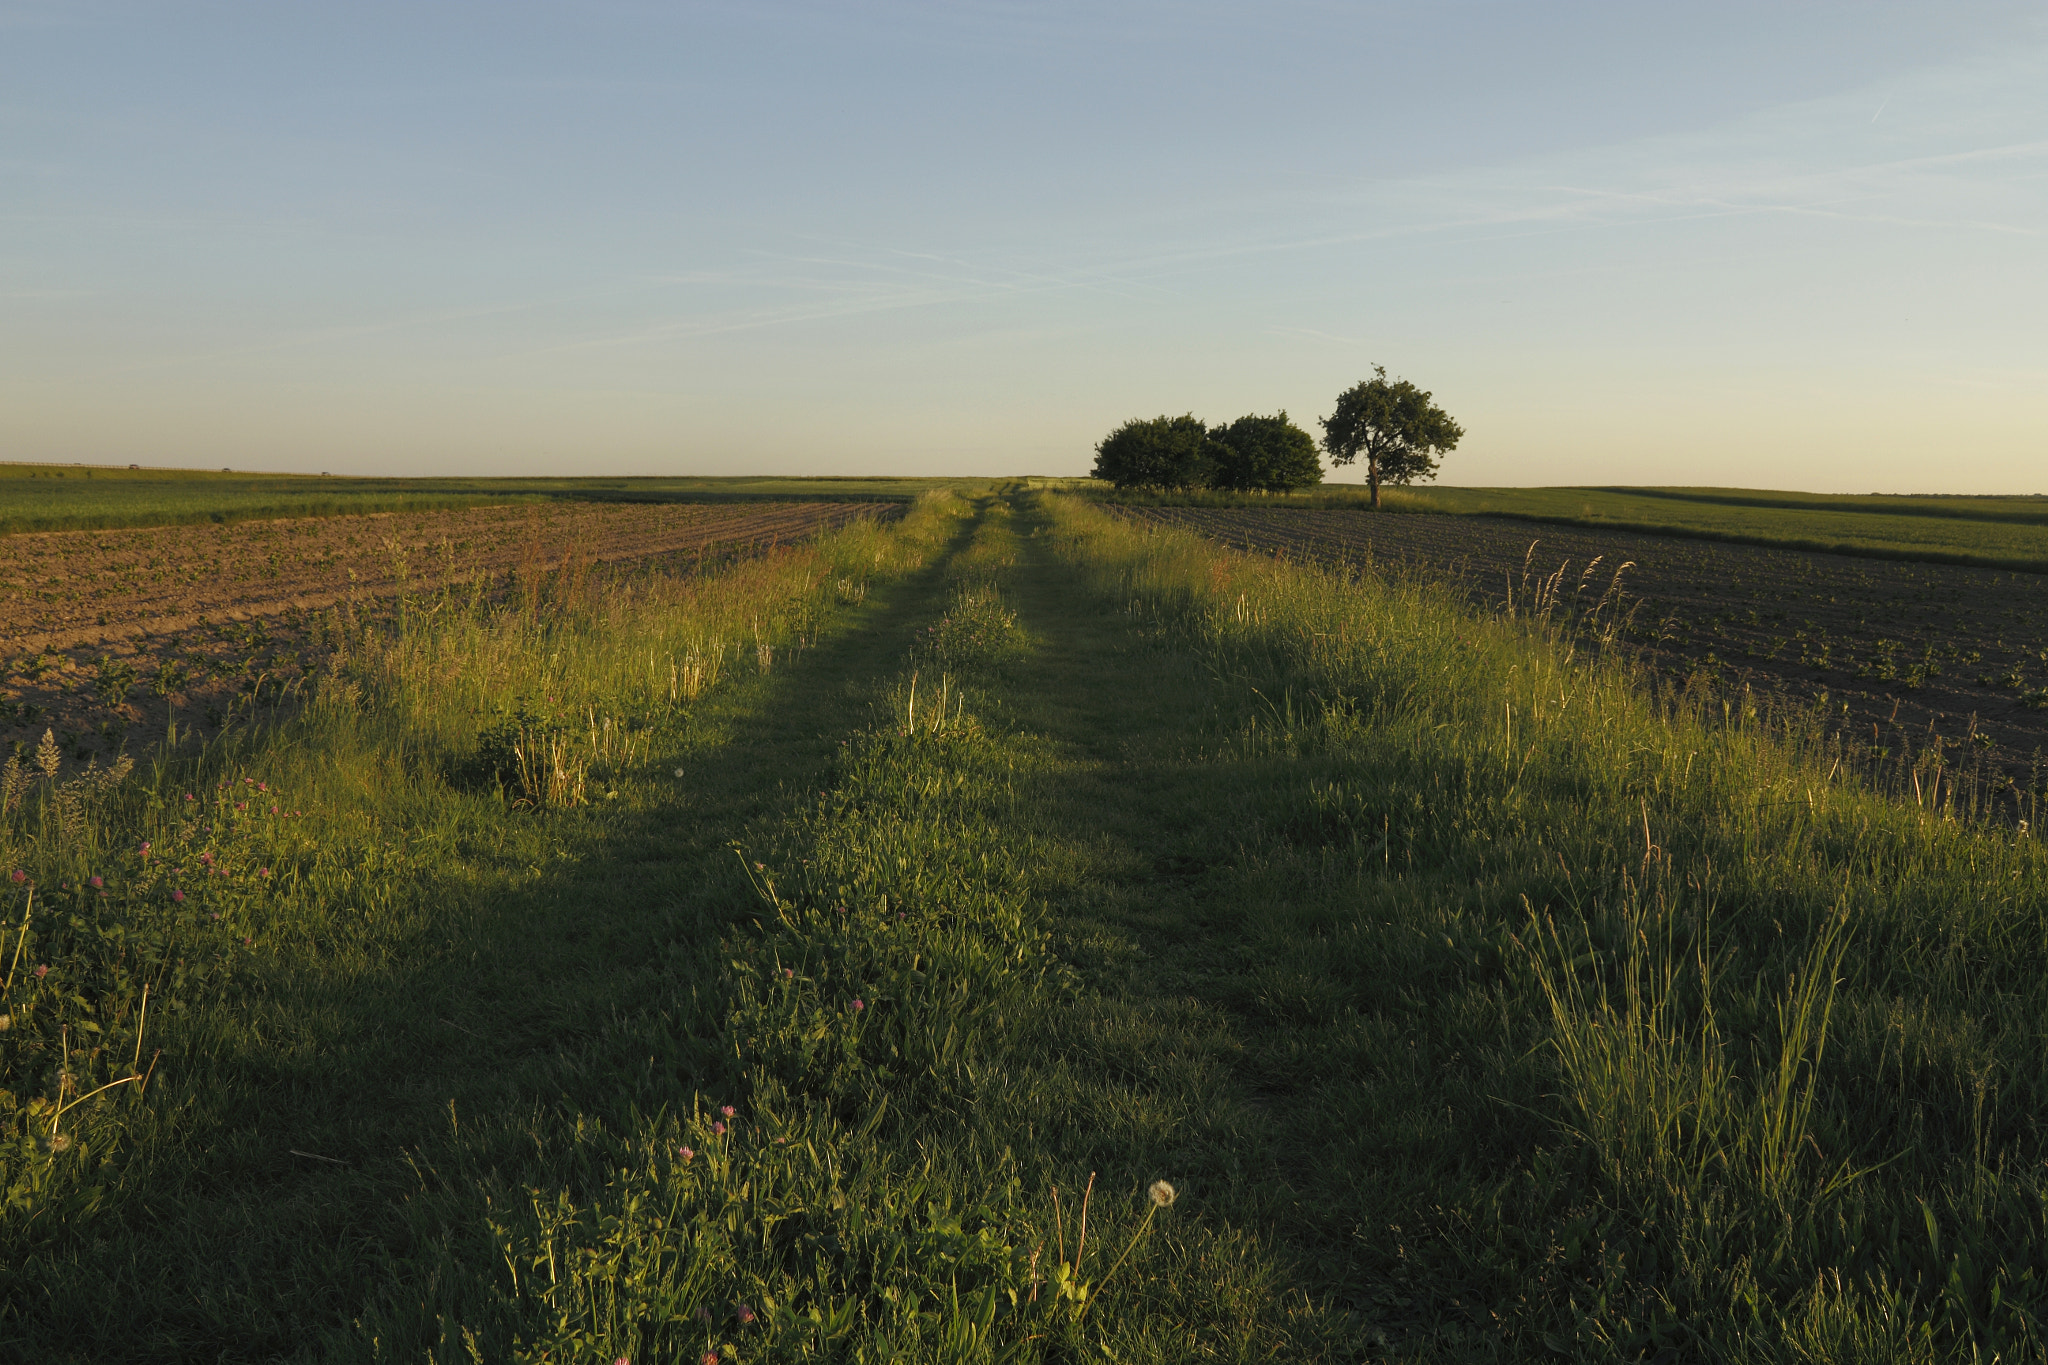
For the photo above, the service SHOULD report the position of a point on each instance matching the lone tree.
(1394, 425)
(1160, 452)
(1264, 454)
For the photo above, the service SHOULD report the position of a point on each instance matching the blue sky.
(1769, 244)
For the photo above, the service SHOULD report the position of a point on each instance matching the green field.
(783, 962)
(80, 497)
(2000, 532)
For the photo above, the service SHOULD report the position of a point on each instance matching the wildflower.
(241, 805)
(97, 883)
(859, 1004)
(177, 895)
(746, 1314)
(760, 867)
(205, 855)
(273, 810)
(263, 786)
(704, 1315)
(1162, 1193)
(17, 876)
(42, 971)
(144, 850)
(263, 872)
(190, 797)
(248, 943)
(727, 1110)
(789, 971)
(686, 1154)
(248, 781)
(710, 1357)
(717, 1129)
(622, 1361)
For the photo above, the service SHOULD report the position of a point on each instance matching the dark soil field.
(1902, 654)
(110, 631)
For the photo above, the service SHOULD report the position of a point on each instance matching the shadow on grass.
(335, 1137)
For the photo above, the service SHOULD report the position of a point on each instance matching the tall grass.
(1784, 1019)
(856, 1193)
(138, 905)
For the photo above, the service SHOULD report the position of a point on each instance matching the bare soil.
(1898, 655)
(104, 633)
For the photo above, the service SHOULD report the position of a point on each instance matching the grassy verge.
(1603, 1031)
(1472, 1007)
(400, 919)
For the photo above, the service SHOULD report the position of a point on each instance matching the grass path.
(1299, 897)
(1214, 1037)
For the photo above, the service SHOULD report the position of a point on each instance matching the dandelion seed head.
(1162, 1194)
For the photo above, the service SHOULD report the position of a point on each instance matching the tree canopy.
(1396, 426)
(1267, 454)
(1157, 452)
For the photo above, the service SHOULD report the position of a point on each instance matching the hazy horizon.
(1752, 246)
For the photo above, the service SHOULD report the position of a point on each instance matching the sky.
(1764, 243)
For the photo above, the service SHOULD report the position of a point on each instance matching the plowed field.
(1917, 653)
(104, 632)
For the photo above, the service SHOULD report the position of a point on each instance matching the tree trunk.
(1372, 476)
